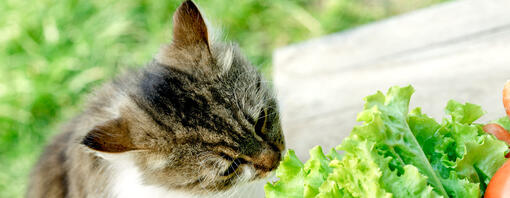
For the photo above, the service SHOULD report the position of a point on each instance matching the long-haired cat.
(198, 121)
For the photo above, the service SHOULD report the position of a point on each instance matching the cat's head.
(199, 118)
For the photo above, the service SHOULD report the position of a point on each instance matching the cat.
(197, 121)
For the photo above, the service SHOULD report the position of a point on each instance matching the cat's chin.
(263, 175)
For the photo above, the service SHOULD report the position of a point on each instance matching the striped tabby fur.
(198, 120)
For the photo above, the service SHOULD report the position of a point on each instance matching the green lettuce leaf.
(364, 172)
(397, 153)
(301, 180)
(317, 169)
(291, 174)
(440, 151)
(393, 137)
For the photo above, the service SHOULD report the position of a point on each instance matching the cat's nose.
(267, 160)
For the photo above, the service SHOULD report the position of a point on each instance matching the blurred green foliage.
(53, 52)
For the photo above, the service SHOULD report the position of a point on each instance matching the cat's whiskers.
(209, 178)
(209, 174)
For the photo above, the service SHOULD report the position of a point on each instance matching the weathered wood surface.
(458, 50)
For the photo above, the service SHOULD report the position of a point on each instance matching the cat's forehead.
(167, 92)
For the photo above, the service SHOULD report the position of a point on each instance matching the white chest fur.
(126, 182)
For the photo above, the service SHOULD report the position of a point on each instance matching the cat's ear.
(190, 50)
(189, 28)
(111, 137)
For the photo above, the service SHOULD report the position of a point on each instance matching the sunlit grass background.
(53, 52)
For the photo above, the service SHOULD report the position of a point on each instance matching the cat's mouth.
(250, 168)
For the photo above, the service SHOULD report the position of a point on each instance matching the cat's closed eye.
(234, 166)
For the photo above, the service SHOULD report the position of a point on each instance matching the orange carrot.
(506, 98)
(498, 131)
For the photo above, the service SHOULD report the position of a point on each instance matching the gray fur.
(198, 109)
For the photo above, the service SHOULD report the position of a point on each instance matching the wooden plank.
(458, 50)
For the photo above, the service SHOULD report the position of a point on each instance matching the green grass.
(53, 52)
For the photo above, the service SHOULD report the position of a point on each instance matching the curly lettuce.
(398, 153)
